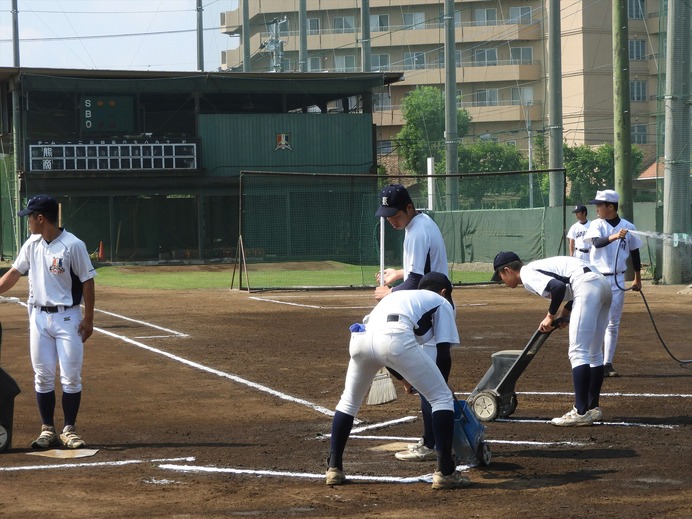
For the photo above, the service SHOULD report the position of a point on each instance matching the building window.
(522, 96)
(345, 63)
(379, 62)
(283, 28)
(486, 97)
(313, 26)
(520, 15)
(635, 9)
(637, 49)
(381, 101)
(414, 20)
(521, 55)
(314, 64)
(384, 147)
(414, 60)
(637, 90)
(485, 57)
(485, 16)
(379, 22)
(344, 24)
(639, 134)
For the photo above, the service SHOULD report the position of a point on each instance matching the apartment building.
(501, 59)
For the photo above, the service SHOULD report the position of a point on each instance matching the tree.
(422, 135)
(592, 169)
(495, 190)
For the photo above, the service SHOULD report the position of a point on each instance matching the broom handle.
(381, 250)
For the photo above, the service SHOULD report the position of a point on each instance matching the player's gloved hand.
(356, 328)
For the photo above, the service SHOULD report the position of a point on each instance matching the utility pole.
(275, 45)
(247, 59)
(527, 119)
(16, 129)
(303, 36)
(676, 199)
(366, 58)
(451, 132)
(200, 36)
(622, 138)
(555, 151)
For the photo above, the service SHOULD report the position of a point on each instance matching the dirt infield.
(221, 410)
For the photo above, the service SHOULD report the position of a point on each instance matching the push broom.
(382, 389)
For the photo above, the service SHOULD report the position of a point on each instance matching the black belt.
(393, 318)
(583, 250)
(53, 309)
(613, 273)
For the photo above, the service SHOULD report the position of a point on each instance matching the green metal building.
(148, 163)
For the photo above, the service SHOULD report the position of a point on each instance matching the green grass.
(190, 277)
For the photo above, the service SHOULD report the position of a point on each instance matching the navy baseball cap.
(579, 209)
(502, 259)
(40, 204)
(394, 198)
(436, 281)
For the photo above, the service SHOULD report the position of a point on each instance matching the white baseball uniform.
(577, 233)
(394, 331)
(590, 294)
(424, 248)
(604, 259)
(56, 273)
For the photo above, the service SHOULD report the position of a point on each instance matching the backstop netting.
(320, 230)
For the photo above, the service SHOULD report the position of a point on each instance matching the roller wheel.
(485, 406)
(4, 438)
(484, 453)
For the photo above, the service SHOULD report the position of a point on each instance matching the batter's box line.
(616, 424)
(425, 478)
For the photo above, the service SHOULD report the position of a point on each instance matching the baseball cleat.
(46, 439)
(454, 480)
(573, 419)
(609, 371)
(417, 453)
(71, 439)
(596, 414)
(335, 476)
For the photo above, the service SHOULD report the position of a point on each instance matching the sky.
(114, 34)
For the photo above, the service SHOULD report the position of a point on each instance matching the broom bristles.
(382, 389)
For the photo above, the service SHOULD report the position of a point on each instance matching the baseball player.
(587, 298)
(577, 247)
(391, 336)
(424, 251)
(60, 278)
(610, 240)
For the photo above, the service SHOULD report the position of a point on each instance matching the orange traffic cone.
(102, 255)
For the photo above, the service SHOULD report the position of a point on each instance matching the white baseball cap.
(607, 195)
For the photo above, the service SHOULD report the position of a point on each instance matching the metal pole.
(676, 201)
(622, 138)
(366, 57)
(527, 110)
(451, 133)
(15, 33)
(555, 151)
(200, 36)
(303, 36)
(247, 64)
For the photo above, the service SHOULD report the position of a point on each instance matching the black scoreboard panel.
(112, 156)
(107, 114)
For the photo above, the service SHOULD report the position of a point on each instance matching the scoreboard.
(107, 114)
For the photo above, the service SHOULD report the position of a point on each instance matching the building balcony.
(473, 72)
(501, 111)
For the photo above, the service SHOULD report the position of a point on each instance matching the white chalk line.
(322, 307)
(427, 478)
(222, 374)
(383, 424)
(502, 442)
(616, 424)
(93, 464)
(624, 395)
(143, 323)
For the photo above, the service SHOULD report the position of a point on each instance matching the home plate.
(65, 454)
(391, 447)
